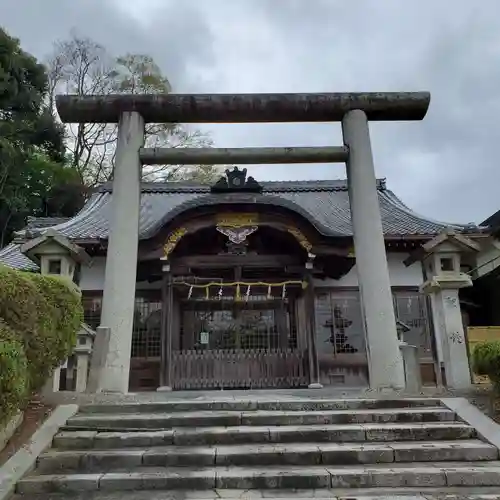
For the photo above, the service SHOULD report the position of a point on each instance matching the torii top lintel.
(243, 108)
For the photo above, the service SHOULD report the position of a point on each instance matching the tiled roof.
(11, 256)
(39, 222)
(324, 203)
(492, 221)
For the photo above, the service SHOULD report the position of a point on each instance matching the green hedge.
(40, 315)
(64, 318)
(13, 374)
(486, 361)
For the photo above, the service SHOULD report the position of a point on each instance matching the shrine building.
(248, 284)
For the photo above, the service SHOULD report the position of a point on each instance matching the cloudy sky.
(446, 167)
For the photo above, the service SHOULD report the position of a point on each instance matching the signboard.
(204, 337)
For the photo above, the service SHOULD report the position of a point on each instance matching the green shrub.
(66, 315)
(45, 312)
(27, 313)
(486, 361)
(13, 374)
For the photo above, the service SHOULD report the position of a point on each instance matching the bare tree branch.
(81, 66)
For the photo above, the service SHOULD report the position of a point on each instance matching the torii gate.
(353, 110)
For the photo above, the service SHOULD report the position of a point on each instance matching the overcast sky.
(446, 167)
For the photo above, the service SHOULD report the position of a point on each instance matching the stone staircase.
(349, 448)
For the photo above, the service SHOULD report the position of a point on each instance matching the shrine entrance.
(239, 342)
(234, 307)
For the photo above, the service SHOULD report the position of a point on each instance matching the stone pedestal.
(121, 261)
(385, 362)
(56, 379)
(449, 331)
(98, 358)
(413, 376)
(82, 371)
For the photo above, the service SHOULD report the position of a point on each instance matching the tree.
(40, 188)
(32, 149)
(82, 66)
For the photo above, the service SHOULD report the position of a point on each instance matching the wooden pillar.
(282, 325)
(166, 331)
(176, 324)
(311, 330)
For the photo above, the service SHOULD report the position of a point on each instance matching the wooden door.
(245, 344)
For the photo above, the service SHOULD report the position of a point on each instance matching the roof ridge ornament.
(236, 180)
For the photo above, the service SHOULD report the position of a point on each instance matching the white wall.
(92, 277)
(399, 274)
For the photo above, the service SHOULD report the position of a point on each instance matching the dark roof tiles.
(11, 256)
(324, 203)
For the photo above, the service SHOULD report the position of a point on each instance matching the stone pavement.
(344, 494)
(279, 444)
(238, 395)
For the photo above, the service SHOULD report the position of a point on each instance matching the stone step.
(481, 493)
(263, 404)
(258, 417)
(271, 477)
(476, 493)
(417, 431)
(56, 462)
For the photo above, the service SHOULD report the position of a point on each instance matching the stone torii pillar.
(352, 109)
(121, 261)
(385, 361)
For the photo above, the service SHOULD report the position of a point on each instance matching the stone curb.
(468, 413)
(25, 459)
(10, 428)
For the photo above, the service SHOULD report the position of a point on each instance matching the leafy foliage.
(486, 361)
(32, 151)
(65, 302)
(13, 374)
(45, 314)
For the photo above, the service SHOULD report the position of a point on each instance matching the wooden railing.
(477, 334)
(239, 368)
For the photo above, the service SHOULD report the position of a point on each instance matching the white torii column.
(385, 362)
(121, 261)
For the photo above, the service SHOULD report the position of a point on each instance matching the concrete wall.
(92, 277)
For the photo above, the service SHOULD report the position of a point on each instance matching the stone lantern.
(55, 254)
(441, 259)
